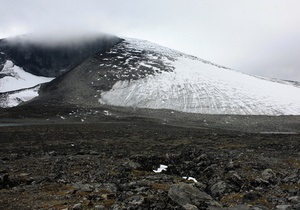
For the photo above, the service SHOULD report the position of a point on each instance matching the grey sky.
(259, 37)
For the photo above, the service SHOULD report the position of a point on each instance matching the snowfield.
(17, 86)
(198, 86)
(15, 78)
(14, 99)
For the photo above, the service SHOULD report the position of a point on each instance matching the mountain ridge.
(140, 74)
(51, 60)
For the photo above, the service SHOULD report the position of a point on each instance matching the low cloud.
(253, 36)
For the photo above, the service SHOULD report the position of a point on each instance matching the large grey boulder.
(188, 195)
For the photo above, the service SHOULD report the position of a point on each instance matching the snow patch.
(15, 78)
(14, 99)
(161, 168)
(190, 178)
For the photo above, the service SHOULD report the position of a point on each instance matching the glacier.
(197, 86)
(14, 77)
(18, 86)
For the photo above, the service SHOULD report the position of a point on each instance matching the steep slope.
(30, 60)
(52, 56)
(141, 74)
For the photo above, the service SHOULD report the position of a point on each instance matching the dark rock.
(259, 208)
(292, 178)
(283, 207)
(131, 165)
(238, 207)
(294, 199)
(81, 152)
(190, 207)
(137, 200)
(99, 207)
(92, 152)
(77, 206)
(83, 187)
(218, 188)
(236, 179)
(110, 187)
(250, 196)
(230, 166)
(268, 174)
(296, 206)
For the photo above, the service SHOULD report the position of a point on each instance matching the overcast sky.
(260, 37)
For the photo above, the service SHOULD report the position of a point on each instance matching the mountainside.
(51, 58)
(28, 61)
(139, 74)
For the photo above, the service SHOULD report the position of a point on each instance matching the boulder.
(218, 188)
(183, 194)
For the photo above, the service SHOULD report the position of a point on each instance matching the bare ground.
(48, 162)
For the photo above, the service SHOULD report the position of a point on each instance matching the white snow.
(198, 86)
(19, 85)
(18, 97)
(107, 113)
(15, 78)
(190, 178)
(161, 168)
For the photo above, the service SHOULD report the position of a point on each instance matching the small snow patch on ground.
(190, 178)
(161, 168)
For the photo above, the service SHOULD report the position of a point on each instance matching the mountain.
(140, 74)
(28, 61)
(18, 85)
(50, 57)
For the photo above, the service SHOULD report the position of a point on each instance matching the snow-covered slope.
(185, 83)
(14, 98)
(17, 86)
(140, 74)
(13, 77)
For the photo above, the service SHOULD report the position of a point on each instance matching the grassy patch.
(232, 199)
(136, 173)
(292, 162)
(160, 186)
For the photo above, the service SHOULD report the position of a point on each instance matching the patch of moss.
(232, 199)
(109, 202)
(160, 186)
(295, 163)
(294, 186)
(261, 201)
(136, 173)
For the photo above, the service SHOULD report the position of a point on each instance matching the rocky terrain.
(105, 133)
(103, 159)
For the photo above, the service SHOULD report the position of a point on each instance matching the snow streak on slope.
(197, 86)
(13, 78)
